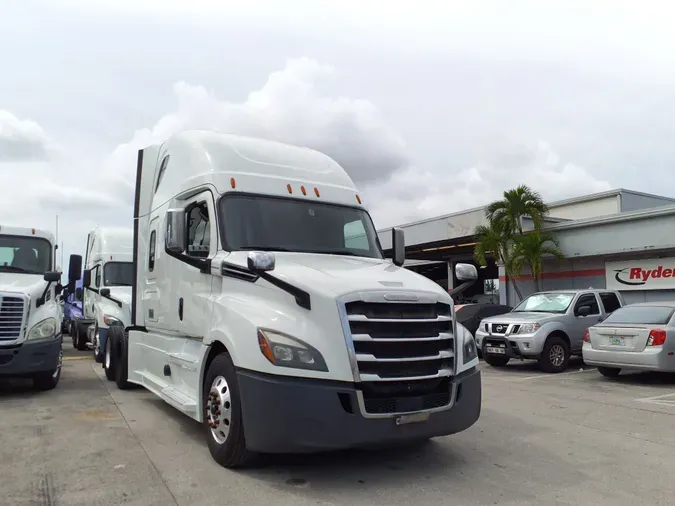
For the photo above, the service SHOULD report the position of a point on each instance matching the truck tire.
(222, 414)
(495, 361)
(555, 356)
(119, 356)
(108, 360)
(98, 354)
(609, 372)
(49, 380)
(79, 336)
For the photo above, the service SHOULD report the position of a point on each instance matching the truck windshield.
(118, 274)
(25, 255)
(545, 302)
(253, 222)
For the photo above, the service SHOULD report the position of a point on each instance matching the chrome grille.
(403, 353)
(11, 317)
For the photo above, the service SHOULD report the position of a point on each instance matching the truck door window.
(610, 301)
(587, 299)
(97, 276)
(199, 230)
(151, 248)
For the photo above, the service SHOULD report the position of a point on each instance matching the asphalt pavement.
(575, 438)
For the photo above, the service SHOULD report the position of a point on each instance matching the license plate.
(617, 341)
(496, 351)
(412, 418)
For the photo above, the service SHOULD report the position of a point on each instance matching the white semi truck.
(262, 306)
(106, 282)
(30, 312)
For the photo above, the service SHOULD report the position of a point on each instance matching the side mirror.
(74, 268)
(174, 237)
(398, 245)
(105, 292)
(261, 261)
(52, 276)
(584, 310)
(86, 278)
(466, 272)
(78, 293)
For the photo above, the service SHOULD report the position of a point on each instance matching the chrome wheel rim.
(58, 365)
(97, 346)
(557, 355)
(107, 354)
(219, 410)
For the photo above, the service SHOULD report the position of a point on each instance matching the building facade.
(619, 239)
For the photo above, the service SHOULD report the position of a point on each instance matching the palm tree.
(491, 240)
(517, 203)
(530, 249)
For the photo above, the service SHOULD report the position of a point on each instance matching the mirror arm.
(203, 264)
(462, 287)
(42, 298)
(302, 298)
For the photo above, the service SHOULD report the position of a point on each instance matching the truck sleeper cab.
(30, 313)
(106, 283)
(263, 307)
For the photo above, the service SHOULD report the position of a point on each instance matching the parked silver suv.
(546, 326)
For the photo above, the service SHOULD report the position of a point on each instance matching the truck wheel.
(555, 355)
(119, 356)
(48, 381)
(80, 337)
(222, 414)
(609, 372)
(98, 352)
(495, 361)
(108, 360)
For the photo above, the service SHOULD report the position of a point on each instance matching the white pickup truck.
(263, 307)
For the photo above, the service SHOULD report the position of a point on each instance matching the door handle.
(180, 309)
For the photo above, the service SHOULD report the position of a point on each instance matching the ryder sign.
(651, 274)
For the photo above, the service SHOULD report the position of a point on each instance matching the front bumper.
(651, 359)
(30, 358)
(515, 346)
(290, 415)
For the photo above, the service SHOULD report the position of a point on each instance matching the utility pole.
(57, 240)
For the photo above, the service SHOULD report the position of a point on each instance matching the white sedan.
(638, 336)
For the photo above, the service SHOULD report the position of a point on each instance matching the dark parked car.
(470, 315)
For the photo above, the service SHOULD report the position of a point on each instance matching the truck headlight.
(528, 328)
(469, 351)
(286, 351)
(43, 330)
(109, 320)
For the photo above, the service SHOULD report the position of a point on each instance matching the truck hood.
(121, 293)
(522, 317)
(337, 275)
(33, 284)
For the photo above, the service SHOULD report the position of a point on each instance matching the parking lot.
(573, 438)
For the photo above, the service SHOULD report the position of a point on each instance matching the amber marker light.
(233, 183)
(265, 347)
(316, 192)
(302, 189)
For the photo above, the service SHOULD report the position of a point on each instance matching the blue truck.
(72, 308)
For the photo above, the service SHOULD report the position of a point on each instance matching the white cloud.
(289, 107)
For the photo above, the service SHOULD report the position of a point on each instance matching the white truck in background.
(106, 287)
(30, 312)
(262, 306)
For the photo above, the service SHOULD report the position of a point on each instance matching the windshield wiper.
(11, 268)
(328, 252)
(263, 248)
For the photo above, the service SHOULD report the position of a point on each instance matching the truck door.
(90, 297)
(193, 304)
(581, 323)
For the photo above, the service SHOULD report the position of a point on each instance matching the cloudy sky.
(430, 109)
